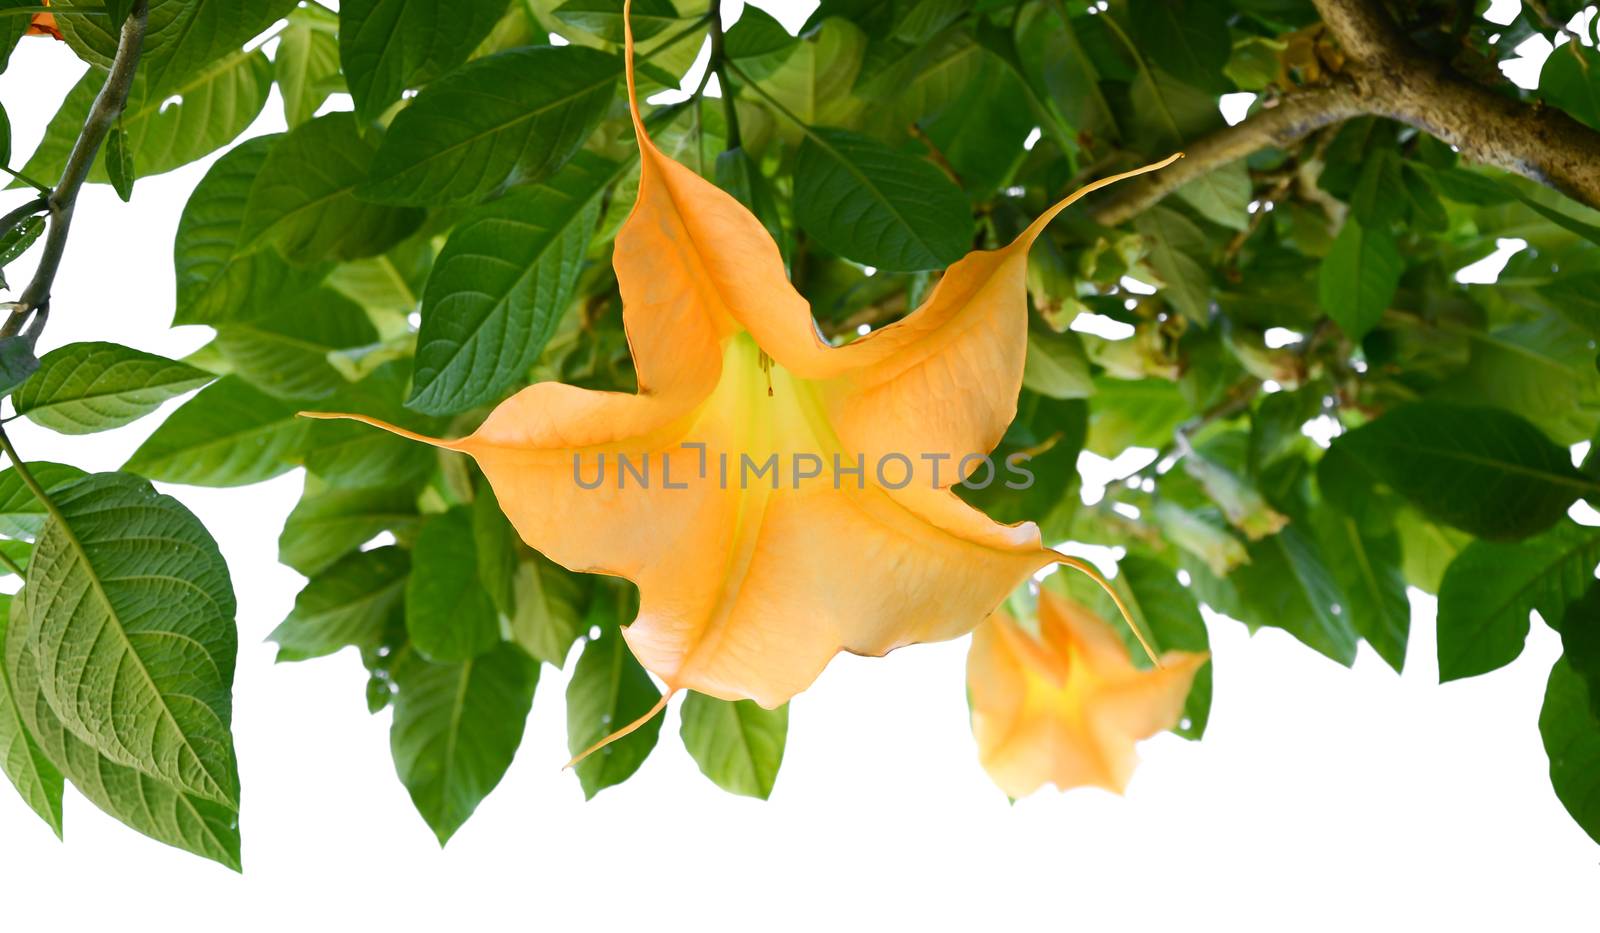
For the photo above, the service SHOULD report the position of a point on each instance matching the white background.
(1320, 797)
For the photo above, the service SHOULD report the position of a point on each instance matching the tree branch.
(1400, 82)
(1291, 119)
(108, 105)
(1386, 75)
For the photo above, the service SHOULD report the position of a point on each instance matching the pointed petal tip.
(625, 731)
(383, 425)
(1084, 567)
(1037, 227)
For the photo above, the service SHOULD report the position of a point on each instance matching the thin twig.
(108, 106)
(38, 186)
(717, 63)
(12, 565)
(29, 480)
(934, 154)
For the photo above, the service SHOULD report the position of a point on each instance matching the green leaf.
(1571, 736)
(165, 127)
(1241, 502)
(504, 120)
(1359, 277)
(815, 82)
(306, 65)
(119, 161)
(1482, 470)
(1366, 566)
(1177, 250)
(82, 388)
(21, 513)
(130, 616)
(501, 284)
(877, 206)
(1569, 81)
(330, 524)
(738, 745)
(1380, 195)
(1287, 585)
(1056, 365)
(304, 202)
(145, 803)
(19, 553)
(1557, 216)
(457, 728)
(758, 44)
(221, 277)
(1542, 369)
(603, 18)
(549, 612)
(353, 602)
(229, 434)
(1134, 413)
(387, 46)
(31, 773)
(1490, 588)
(924, 18)
(117, 11)
(348, 454)
(286, 354)
(1166, 113)
(449, 614)
(608, 691)
(1201, 534)
(184, 39)
(1189, 38)
(17, 362)
(15, 241)
(1580, 641)
(497, 545)
(1040, 453)
(1221, 195)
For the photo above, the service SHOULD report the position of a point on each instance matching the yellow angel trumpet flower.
(748, 587)
(1064, 705)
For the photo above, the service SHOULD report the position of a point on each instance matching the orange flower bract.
(1065, 705)
(746, 590)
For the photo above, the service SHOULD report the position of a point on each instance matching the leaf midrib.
(1576, 482)
(493, 130)
(98, 587)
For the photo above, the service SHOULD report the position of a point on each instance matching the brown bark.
(1386, 75)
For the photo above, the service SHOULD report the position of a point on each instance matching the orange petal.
(750, 584)
(44, 24)
(1065, 707)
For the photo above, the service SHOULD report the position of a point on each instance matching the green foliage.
(500, 286)
(387, 46)
(303, 200)
(1491, 586)
(450, 616)
(507, 119)
(1483, 470)
(355, 602)
(86, 387)
(738, 745)
(449, 242)
(229, 434)
(876, 206)
(1571, 733)
(608, 691)
(456, 728)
